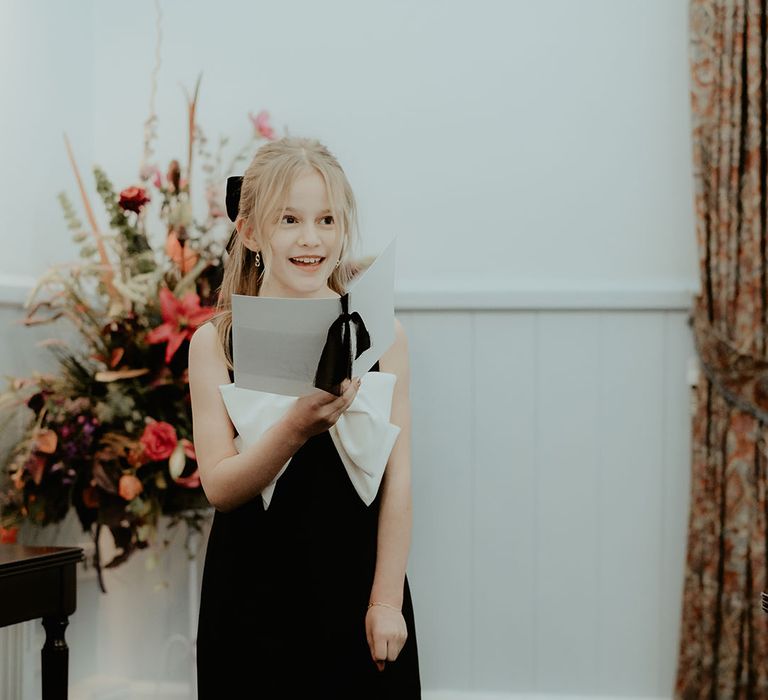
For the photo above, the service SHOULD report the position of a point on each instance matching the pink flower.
(189, 448)
(159, 440)
(147, 171)
(189, 482)
(181, 317)
(261, 124)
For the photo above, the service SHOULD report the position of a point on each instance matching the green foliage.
(133, 243)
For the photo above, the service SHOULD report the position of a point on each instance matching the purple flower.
(70, 450)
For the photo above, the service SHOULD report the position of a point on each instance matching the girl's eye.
(328, 220)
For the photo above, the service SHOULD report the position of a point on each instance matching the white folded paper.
(277, 343)
(363, 435)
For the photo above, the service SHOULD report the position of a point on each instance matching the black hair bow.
(234, 185)
(336, 359)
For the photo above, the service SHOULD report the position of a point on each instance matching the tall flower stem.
(108, 271)
(191, 109)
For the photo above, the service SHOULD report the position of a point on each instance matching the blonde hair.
(263, 195)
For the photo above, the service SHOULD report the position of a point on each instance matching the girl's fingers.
(371, 646)
(379, 651)
(352, 386)
(349, 393)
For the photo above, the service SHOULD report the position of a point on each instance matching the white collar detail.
(363, 435)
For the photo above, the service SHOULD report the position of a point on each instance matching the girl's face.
(305, 244)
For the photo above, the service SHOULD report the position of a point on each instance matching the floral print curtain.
(724, 635)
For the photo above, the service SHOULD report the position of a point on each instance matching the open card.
(292, 346)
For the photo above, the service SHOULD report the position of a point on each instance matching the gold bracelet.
(384, 605)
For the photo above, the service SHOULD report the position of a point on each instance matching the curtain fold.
(724, 635)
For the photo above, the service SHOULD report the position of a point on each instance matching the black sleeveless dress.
(285, 593)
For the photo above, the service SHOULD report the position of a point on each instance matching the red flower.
(159, 440)
(8, 535)
(181, 317)
(91, 497)
(133, 199)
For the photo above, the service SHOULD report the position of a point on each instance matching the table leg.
(55, 659)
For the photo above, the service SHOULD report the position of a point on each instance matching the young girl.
(307, 598)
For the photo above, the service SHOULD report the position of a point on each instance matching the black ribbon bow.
(336, 359)
(234, 185)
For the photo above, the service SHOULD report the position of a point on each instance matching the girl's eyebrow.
(298, 211)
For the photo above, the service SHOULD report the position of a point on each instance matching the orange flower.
(45, 441)
(181, 317)
(183, 256)
(129, 487)
(137, 457)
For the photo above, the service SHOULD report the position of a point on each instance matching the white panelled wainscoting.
(551, 439)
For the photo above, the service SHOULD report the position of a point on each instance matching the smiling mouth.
(309, 262)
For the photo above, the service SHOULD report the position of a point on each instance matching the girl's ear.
(246, 234)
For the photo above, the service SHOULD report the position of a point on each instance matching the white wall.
(550, 489)
(525, 143)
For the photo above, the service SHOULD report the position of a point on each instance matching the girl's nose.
(308, 234)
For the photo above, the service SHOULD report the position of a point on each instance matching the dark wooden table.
(40, 582)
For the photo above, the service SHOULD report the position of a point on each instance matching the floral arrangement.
(110, 433)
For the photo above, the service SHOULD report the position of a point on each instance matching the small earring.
(338, 262)
(258, 258)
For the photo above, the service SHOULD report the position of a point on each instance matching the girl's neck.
(324, 293)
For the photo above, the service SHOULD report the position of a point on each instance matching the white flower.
(177, 461)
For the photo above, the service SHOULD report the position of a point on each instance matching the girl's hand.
(386, 632)
(315, 413)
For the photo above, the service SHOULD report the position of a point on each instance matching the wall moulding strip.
(485, 296)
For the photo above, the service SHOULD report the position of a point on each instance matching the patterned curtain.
(724, 642)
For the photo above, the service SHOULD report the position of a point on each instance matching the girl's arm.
(230, 479)
(395, 515)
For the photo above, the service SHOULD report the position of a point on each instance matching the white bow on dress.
(363, 435)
